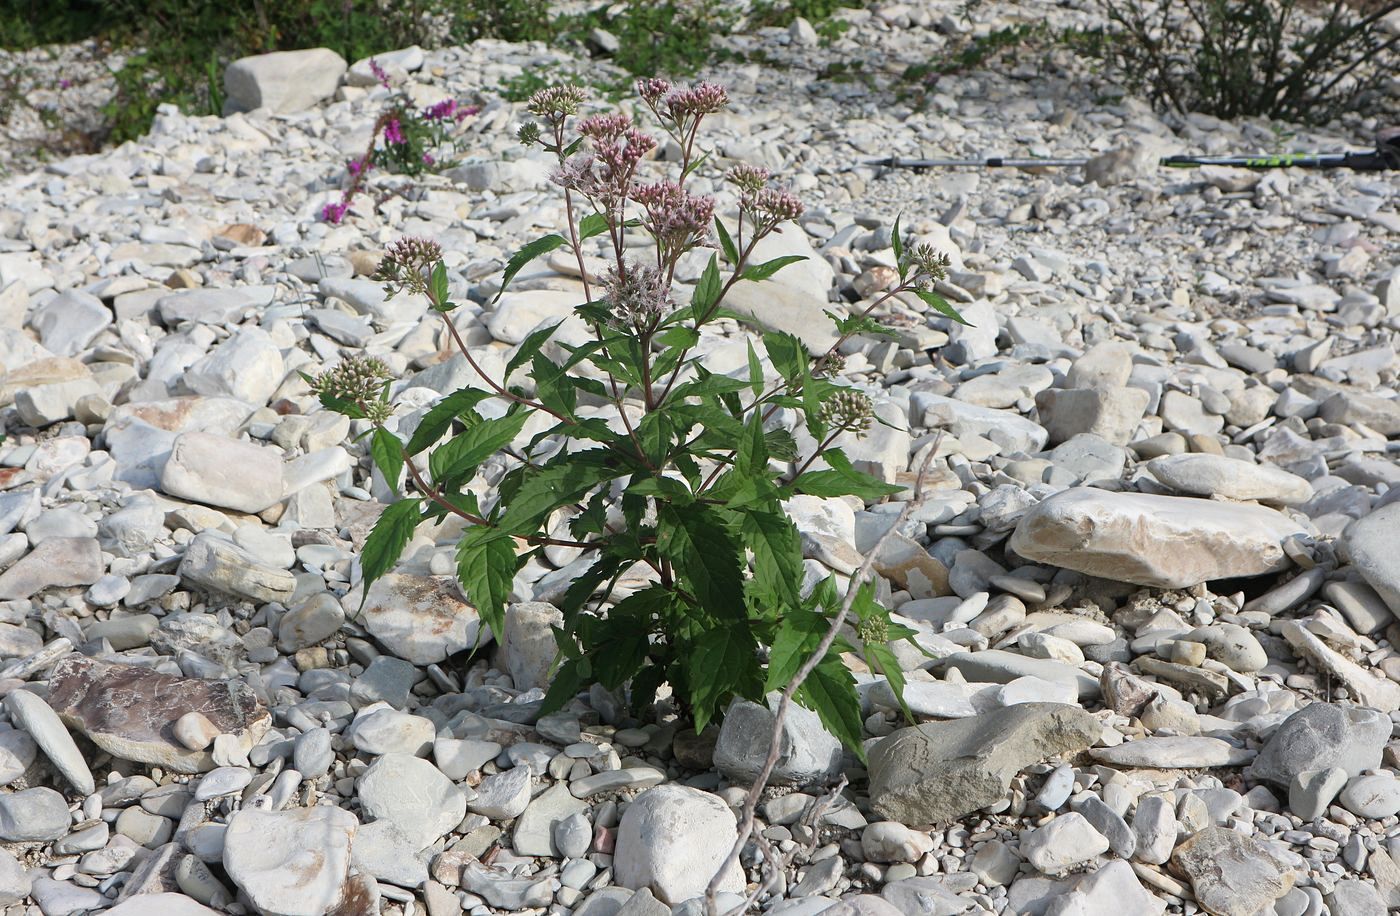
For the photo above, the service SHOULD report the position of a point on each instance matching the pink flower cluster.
(682, 106)
(393, 132)
(677, 218)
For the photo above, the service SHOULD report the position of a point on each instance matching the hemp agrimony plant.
(404, 141)
(678, 481)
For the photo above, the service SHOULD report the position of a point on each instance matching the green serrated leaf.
(726, 243)
(706, 557)
(798, 636)
(938, 303)
(667, 488)
(722, 666)
(387, 452)
(787, 353)
(437, 287)
(343, 406)
(529, 347)
(387, 539)
(899, 248)
(769, 268)
(755, 370)
(486, 567)
(781, 444)
(842, 480)
(882, 661)
(457, 459)
(751, 457)
(777, 554)
(439, 417)
(861, 324)
(591, 225)
(644, 687)
(545, 489)
(566, 684)
(527, 254)
(583, 588)
(706, 291)
(830, 692)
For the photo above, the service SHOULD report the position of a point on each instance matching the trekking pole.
(1385, 156)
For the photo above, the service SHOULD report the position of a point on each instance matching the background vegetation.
(177, 49)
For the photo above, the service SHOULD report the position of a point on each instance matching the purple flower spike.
(379, 73)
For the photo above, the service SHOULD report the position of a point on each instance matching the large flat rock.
(130, 711)
(938, 772)
(1370, 544)
(1160, 541)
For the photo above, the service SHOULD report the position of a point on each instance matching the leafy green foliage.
(1293, 60)
(692, 574)
(670, 38)
(388, 538)
(184, 45)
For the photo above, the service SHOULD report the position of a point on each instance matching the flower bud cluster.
(848, 411)
(677, 219)
(763, 206)
(557, 102)
(926, 264)
(450, 109)
(407, 264)
(681, 108)
(873, 631)
(360, 380)
(379, 72)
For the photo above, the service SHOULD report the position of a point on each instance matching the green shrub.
(179, 48)
(687, 483)
(669, 38)
(1285, 59)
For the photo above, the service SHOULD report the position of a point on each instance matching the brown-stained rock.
(1124, 693)
(421, 619)
(130, 712)
(937, 772)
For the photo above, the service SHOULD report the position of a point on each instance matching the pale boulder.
(283, 81)
(1159, 541)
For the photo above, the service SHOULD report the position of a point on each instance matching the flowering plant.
(690, 571)
(405, 141)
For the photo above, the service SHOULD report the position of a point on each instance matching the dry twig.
(746, 822)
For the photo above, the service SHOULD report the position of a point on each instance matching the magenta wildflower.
(379, 73)
(428, 159)
(393, 132)
(334, 211)
(442, 110)
(357, 167)
(65, 83)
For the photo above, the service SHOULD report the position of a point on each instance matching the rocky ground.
(1156, 575)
